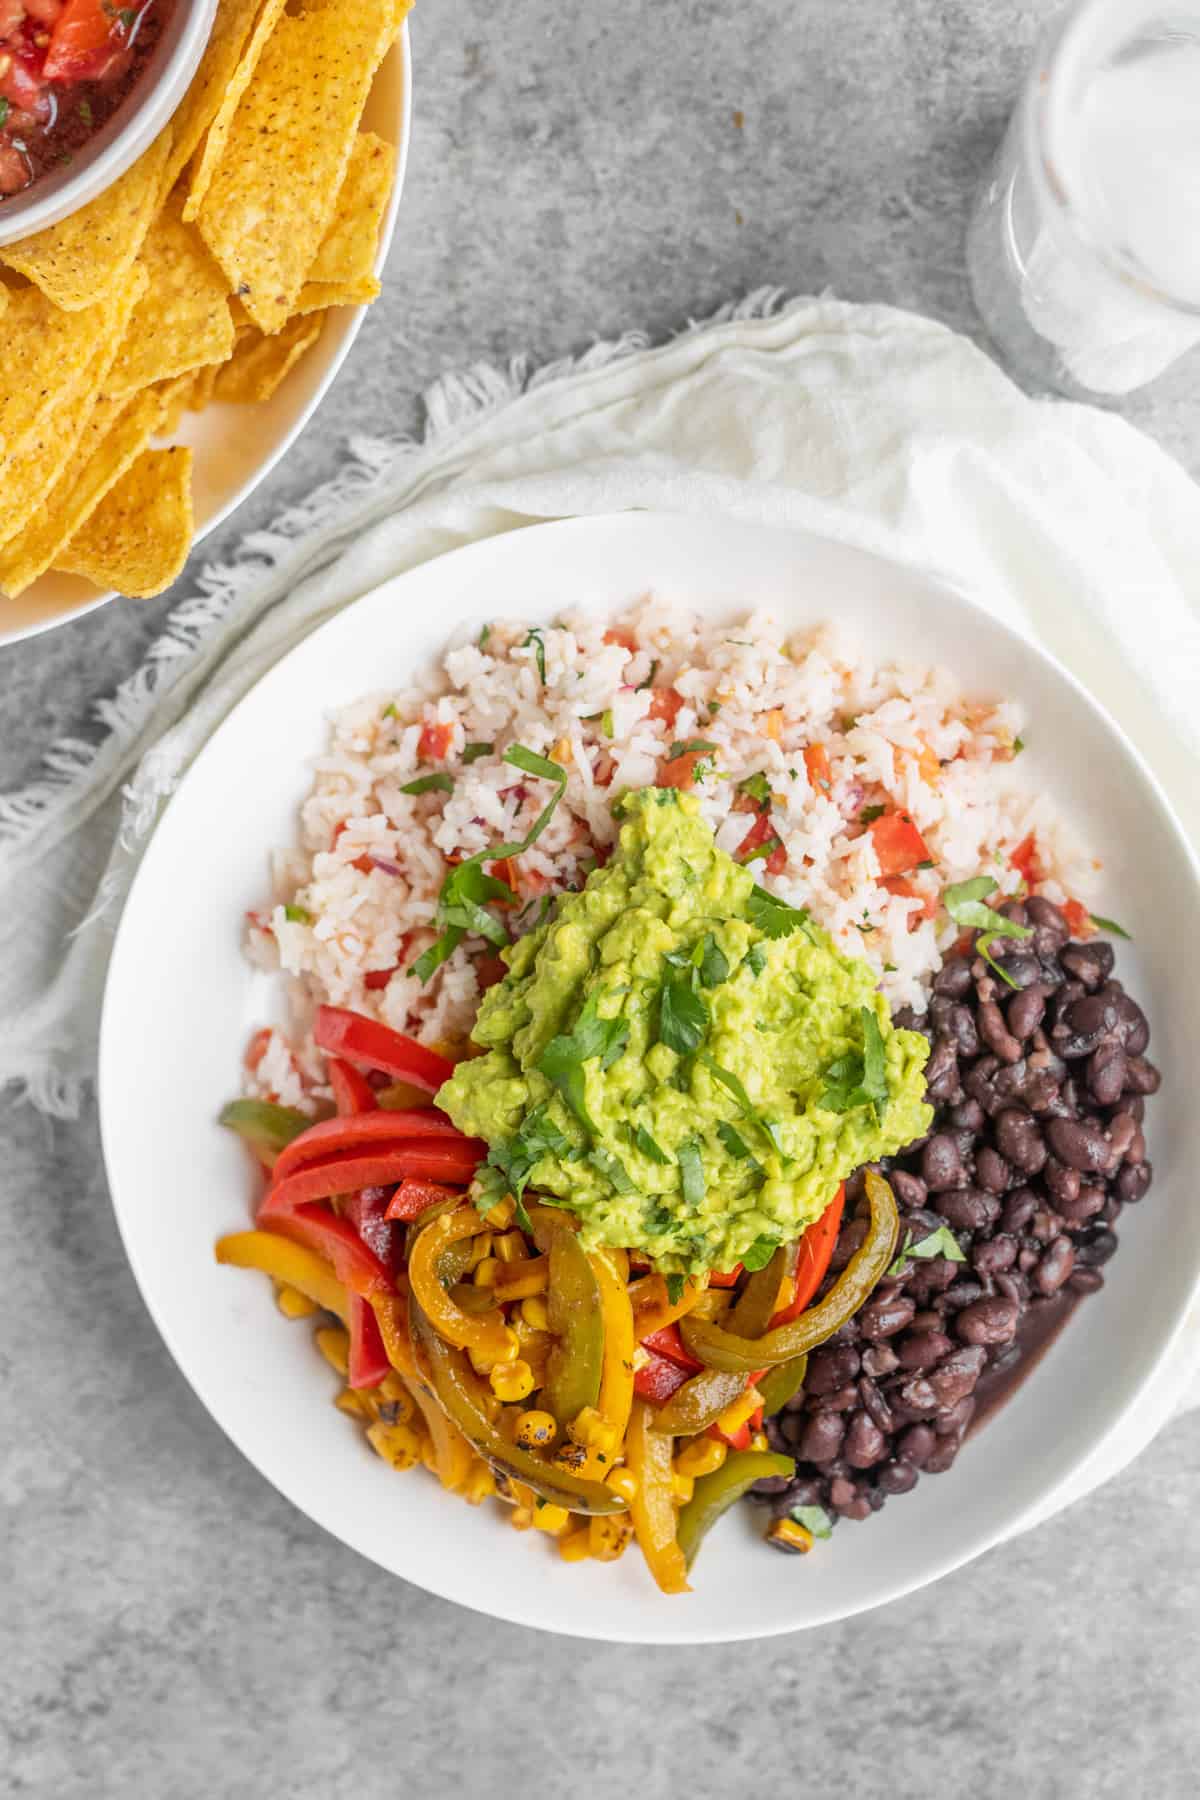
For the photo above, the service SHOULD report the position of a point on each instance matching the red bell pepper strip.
(898, 844)
(367, 1212)
(658, 1379)
(737, 1440)
(356, 1266)
(387, 1165)
(413, 1197)
(816, 1249)
(368, 1359)
(352, 1092)
(668, 1343)
(729, 1279)
(375, 1046)
(372, 1134)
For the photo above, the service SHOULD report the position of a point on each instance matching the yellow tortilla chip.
(218, 132)
(116, 433)
(184, 320)
(85, 258)
(352, 241)
(319, 296)
(49, 448)
(259, 363)
(47, 358)
(199, 105)
(273, 193)
(138, 538)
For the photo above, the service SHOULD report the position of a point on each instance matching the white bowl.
(181, 1003)
(238, 446)
(133, 128)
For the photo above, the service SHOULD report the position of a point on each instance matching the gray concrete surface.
(171, 1628)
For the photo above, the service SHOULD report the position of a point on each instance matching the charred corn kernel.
(501, 1215)
(789, 1534)
(609, 1535)
(760, 1441)
(481, 1246)
(512, 1380)
(561, 752)
(350, 1402)
(400, 1411)
(485, 1272)
(575, 1546)
(483, 1365)
(594, 1432)
(510, 1247)
(534, 1313)
(397, 1444)
(551, 1519)
(681, 1487)
(622, 1482)
(521, 1518)
(479, 1485)
(741, 1409)
(772, 725)
(334, 1345)
(293, 1304)
(536, 1429)
(703, 1456)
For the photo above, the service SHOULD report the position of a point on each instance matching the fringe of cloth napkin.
(861, 423)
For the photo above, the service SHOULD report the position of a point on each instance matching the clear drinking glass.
(1084, 247)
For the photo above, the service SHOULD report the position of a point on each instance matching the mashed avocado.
(686, 1063)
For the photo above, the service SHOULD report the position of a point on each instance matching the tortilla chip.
(174, 396)
(85, 258)
(48, 358)
(273, 194)
(352, 242)
(115, 435)
(48, 449)
(218, 132)
(184, 320)
(137, 540)
(319, 296)
(199, 105)
(259, 363)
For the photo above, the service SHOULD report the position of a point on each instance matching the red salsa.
(65, 68)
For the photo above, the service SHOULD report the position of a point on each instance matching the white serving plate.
(238, 446)
(181, 1002)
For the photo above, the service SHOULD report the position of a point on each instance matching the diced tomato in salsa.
(435, 740)
(898, 844)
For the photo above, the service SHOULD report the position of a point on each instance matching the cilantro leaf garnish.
(682, 1015)
(428, 784)
(675, 1289)
(473, 752)
(649, 1146)
(774, 918)
(298, 915)
(613, 1169)
(592, 1037)
(735, 1143)
(691, 1170)
(869, 814)
(941, 1242)
(1111, 925)
(964, 901)
(510, 1164)
(539, 650)
(757, 786)
(711, 961)
(689, 747)
(759, 1254)
(814, 1519)
(760, 852)
(649, 681)
(732, 1085)
(756, 958)
(858, 1079)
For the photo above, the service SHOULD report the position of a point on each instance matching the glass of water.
(1084, 247)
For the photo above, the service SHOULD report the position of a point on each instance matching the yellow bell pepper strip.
(458, 1393)
(265, 1127)
(721, 1349)
(391, 1313)
(699, 1403)
(288, 1263)
(757, 1303)
(778, 1385)
(616, 1374)
(451, 1451)
(487, 1334)
(574, 1366)
(652, 1509)
(714, 1494)
(653, 1309)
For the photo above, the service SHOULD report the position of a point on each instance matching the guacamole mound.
(686, 1063)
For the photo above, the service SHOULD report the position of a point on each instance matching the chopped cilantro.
(1018, 745)
(774, 918)
(759, 1254)
(941, 1242)
(732, 1085)
(649, 681)
(689, 747)
(712, 962)
(675, 1289)
(510, 1164)
(814, 1519)
(613, 1168)
(858, 1080)
(682, 1015)
(964, 901)
(756, 959)
(297, 915)
(1112, 926)
(606, 723)
(757, 786)
(691, 1169)
(767, 848)
(735, 1143)
(440, 783)
(539, 647)
(473, 752)
(592, 1037)
(869, 814)
(649, 1147)
(483, 637)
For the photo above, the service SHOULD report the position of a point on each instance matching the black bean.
(1019, 1207)
(920, 1350)
(931, 1276)
(876, 1405)
(1106, 1073)
(1055, 1266)
(1133, 1183)
(929, 1319)
(1046, 917)
(1094, 1247)
(1133, 1030)
(969, 1209)
(883, 1318)
(943, 1456)
(829, 1369)
(941, 1163)
(956, 1377)
(1090, 963)
(995, 1033)
(963, 1292)
(879, 1360)
(1014, 910)
(822, 1437)
(849, 1239)
(941, 1071)
(1044, 1225)
(1080, 1144)
(1141, 1077)
(1086, 1281)
(1019, 964)
(909, 1189)
(897, 1477)
(991, 1171)
(915, 1444)
(953, 978)
(1019, 1139)
(865, 1444)
(1026, 1011)
(842, 1490)
(954, 1419)
(968, 1115)
(1086, 1204)
(771, 1485)
(987, 1322)
(859, 1508)
(1062, 1184)
(918, 1395)
(994, 1255)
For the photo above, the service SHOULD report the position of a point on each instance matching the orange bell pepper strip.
(653, 1309)
(616, 1371)
(484, 1333)
(292, 1265)
(648, 1457)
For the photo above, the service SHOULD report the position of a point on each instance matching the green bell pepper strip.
(457, 1393)
(720, 1349)
(700, 1401)
(778, 1385)
(755, 1306)
(714, 1494)
(267, 1128)
(575, 1365)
